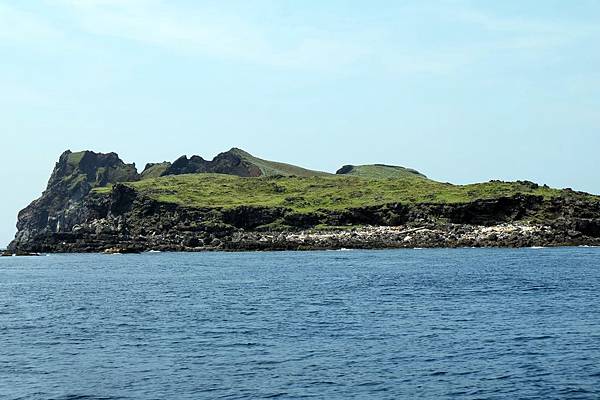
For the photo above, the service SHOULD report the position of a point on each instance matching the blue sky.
(463, 91)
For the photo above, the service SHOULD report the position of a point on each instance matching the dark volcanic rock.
(346, 169)
(588, 227)
(124, 221)
(488, 212)
(183, 165)
(229, 162)
(81, 169)
(245, 217)
(74, 176)
(122, 199)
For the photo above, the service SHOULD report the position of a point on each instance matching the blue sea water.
(465, 324)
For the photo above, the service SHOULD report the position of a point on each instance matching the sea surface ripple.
(463, 323)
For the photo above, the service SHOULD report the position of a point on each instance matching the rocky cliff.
(71, 216)
(73, 177)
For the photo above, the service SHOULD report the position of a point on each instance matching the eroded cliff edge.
(73, 216)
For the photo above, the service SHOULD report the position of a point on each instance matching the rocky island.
(97, 203)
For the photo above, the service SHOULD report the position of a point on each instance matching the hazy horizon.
(461, 91)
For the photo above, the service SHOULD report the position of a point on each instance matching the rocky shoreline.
(70, 217)
(125, 222)
(506, 235)
(383, 237)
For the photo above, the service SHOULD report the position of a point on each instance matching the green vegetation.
(155, 170)
(75, 181)
(380, 171)
(305, 194)
(271, 168)
(75, 158)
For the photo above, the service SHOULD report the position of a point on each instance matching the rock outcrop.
(229, 162)
(155, 170)
(232, 162)
(72, 179)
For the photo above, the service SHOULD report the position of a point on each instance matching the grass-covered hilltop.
(314, 193)
(236, 201)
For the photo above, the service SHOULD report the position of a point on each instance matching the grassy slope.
(270, 168)
(307, 194)
(75, 158)
(380, 171)
(155, 170)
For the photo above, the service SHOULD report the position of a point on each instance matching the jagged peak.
(151, 165)
(96, 168)
(75, 158)
(183, 158)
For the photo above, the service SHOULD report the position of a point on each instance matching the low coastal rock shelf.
(97, 203)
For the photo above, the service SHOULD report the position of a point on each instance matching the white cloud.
(298, 45)
(212, 34)
(290, 46)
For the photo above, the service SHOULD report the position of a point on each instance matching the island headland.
(96, 202)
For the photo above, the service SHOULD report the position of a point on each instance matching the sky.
(463, 91)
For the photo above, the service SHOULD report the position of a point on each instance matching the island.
(96, 202)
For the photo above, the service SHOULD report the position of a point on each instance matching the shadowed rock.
(73, 177)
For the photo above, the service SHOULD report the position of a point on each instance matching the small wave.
(85, 397)
(439, 373)
(275, 395)
(539, 288)
(575, 390)
(529, 338)
(537, 247)
(503, 377)
(370, 383)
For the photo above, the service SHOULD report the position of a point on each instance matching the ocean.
(440, 323)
